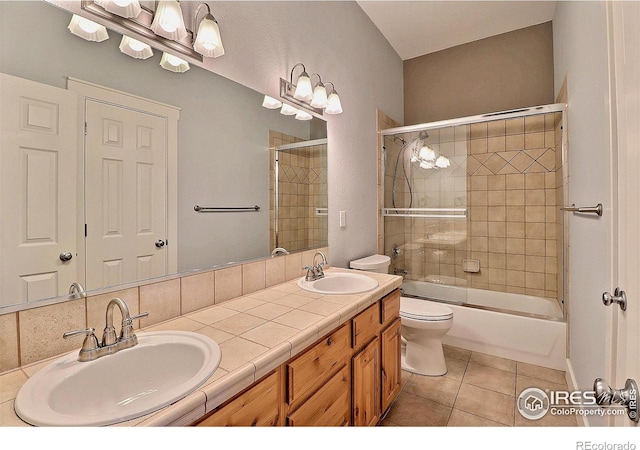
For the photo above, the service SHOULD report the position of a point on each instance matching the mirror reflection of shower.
(298, 193)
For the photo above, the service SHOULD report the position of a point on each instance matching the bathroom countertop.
(256, 333)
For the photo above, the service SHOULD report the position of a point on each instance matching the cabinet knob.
(329, 342)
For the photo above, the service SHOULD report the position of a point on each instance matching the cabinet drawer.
(366, 325)
(310, 370)
(330, 406)
(258, 406)
(390, 306)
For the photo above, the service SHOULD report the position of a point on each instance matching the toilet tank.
(373, 263)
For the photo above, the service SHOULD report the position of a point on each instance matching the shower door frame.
(502, 115)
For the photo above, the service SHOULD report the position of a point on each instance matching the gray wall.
(580, 48)
(507, 71)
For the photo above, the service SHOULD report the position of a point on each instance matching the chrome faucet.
(92, 349)
(77, 291)
(314, 271)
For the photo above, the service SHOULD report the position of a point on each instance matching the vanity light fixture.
(168, 21)
(207, 40)
(173, 63)
(271, 103)
(305, 94)
(425, 156)
(333, 102)
(135, 48)
(87, 29)
(122, 8)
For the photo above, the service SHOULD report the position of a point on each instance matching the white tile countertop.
(256, 333)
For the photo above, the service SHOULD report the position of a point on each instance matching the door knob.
(160, 243)
(65, 256)
(627, 396)
(619, 297)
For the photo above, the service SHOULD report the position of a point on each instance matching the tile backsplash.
(35, 334)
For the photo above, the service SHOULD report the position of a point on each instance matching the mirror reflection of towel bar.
(225, 209)
(584, 209)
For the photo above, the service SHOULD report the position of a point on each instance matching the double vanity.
(332, 357)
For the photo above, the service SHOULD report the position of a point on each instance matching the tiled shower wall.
(302, 186)
(515, 190)
(508, 175)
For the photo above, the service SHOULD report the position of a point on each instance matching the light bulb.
(442, 162)
(288, 110)
(319, 99)
(135, 48)
(87, 29)
(271, 103)
(333, 106)
(427, 154)
(303, 115)
(168, 21)
(173, 63)
(208, 41)
(304, 90)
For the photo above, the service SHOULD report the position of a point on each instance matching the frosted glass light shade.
(442, 162)
(135, 48)
(288, 110)
(168, 21)
(319, 99)
(173, 63)
(304, 91)
(333, 106)
(303, 115)
(427, 154)
(271, 103)
(122, 8)
(208, 41)
(87, 29)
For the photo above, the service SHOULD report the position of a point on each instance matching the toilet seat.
(412, 308)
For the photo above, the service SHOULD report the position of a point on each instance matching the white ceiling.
(415, 28)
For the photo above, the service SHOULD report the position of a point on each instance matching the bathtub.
(514, 326)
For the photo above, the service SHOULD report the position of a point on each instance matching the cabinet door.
(390, 308)
(310, 370)
(330, 406)
(366, 385)
(391, 373)
(258, 406)
(366, 325)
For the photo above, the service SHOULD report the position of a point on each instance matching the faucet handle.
(90, 340)
(310, 273)
(139, 316)
(126, 331)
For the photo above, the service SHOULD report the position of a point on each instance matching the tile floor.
(478, 390)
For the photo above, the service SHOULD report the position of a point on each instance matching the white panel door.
(38, 125)
(625, 325)
(125, 194)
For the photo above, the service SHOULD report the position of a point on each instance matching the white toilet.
(424, 323)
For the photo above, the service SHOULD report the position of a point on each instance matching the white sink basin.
(164, 367)
(339, 283)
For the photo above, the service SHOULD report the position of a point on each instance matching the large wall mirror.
(226, 144)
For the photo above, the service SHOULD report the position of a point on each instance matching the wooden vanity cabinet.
(259, 405)
(318, 383)
(376, 370)
(349, 377)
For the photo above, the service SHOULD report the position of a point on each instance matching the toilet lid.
(413, 308)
